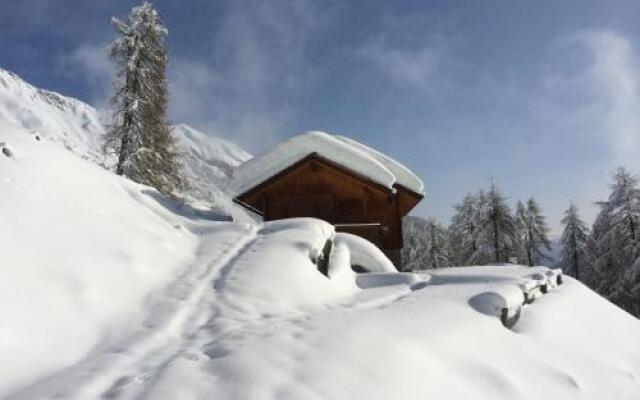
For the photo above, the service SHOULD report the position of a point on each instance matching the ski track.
(106, 373)
(192, 318)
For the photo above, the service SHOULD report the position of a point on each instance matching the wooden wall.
(317, 188)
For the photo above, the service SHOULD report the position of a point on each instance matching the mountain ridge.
(78, 126)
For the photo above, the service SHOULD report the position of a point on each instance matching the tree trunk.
(496, 238)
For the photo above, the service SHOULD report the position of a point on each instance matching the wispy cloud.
(406, 67)
(91, 62)
(257, 70)
(247, 85)
(613, 79)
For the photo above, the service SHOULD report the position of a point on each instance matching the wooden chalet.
(318, 186)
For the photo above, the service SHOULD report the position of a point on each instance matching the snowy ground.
(108, 290)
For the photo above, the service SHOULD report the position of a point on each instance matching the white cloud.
(93, 63)
(600, 91)
(247, 87)
(590, 101)
(613, 78)
(406, 68)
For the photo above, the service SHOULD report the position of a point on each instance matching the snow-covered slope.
(208, 163)
(68, 121)
(80, 249)
(80, 128)
(108, 290)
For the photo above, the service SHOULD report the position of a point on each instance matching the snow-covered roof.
(341, 150)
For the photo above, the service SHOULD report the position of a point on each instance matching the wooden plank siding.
(317, 187)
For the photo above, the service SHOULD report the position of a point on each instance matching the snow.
(365, 254)
(433, 342)
(110, 290)
(74, 124)
(403, 175)
(208, 160)
(345, 152)
(81, 248)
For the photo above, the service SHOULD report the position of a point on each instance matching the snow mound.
(345, 152)
(364, 253)
(279, 271)
(339, 268)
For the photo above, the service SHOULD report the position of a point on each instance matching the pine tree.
(415, 243)
(462, 231)
(139, 135)
(437, 254)
(520, 224)
(624, 203)
(629, 296)
(481, 236)
(615, 238)
(574, 242)
(496, 221)
(535, 234)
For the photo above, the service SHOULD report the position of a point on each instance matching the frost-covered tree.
(483, 254)
(531, 233)
(629, 293)
(497, 230)
(437, 251)
(615, 238)
(139, 135)
(414, 234)
(520, 222)
(426, 244)
(462, 231)
(624, 204)
(574, 243)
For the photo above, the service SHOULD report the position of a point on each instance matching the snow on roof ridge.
(345, 152)
(404, 176)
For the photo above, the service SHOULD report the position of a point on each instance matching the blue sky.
(543, 96)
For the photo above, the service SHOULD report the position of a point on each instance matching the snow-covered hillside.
(109, 290)
(80, 128)
(74, 124)
(81, 249)
(208, 163)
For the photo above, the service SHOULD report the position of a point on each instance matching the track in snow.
(191, 319)
(181, 309)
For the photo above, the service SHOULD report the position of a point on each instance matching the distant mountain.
(208, 161)
(79, 127)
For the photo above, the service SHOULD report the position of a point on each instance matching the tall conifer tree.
(534, 234)
(497, 225)
(574, 243)
(437, 252)
(139, 135)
